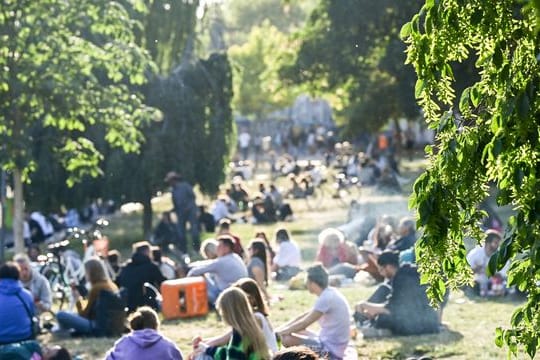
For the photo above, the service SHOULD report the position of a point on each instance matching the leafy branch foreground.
(490, 140)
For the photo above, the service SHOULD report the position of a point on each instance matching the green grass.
(471, 322)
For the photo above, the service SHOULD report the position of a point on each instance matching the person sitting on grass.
(258, 265)
(209, 249)
(35, 282)
(407, 310)
(16, 306)
(227, 268)
(145, 341)
(136, 273)
(478, 258)
(247, 341)
(83, 323)
(286, 263)
(260, 311)
(331, 310)
(338, 256)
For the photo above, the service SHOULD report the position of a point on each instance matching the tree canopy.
(193, 97)
(351, 48)
(257, 87)
(68, 66)
(490, 141)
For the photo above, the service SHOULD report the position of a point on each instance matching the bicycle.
(345, 189)
(63, 267)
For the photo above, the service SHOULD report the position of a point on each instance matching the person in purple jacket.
(144, 342)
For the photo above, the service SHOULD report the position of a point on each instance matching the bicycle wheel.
(59, 286)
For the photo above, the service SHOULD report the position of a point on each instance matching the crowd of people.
(237, 282)
(238, 278)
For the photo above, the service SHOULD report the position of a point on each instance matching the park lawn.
(471, 322)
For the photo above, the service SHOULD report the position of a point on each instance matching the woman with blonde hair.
(247, 341)
(260, 311)
(84, 322)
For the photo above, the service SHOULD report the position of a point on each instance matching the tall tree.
(71, 75)
(257, 87)
(242, 16)
(492, 139)
(351, 48)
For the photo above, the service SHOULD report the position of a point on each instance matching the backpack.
(110, 314)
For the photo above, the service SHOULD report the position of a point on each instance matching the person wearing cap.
(186, 210)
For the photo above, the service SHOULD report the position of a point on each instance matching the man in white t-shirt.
(332, 312)
(479, 257)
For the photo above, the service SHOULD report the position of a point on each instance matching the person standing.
(243, 143)
(185, 208)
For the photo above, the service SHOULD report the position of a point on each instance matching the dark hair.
(296, 353)
(259, 251)
(318, 274)
(262, 235)
(141, 246)
(388, 258)
(144, 318)
(156, 254)
(227, 240)
(113, 256)
(225, 224)
(61, 354)
(282, 235)
(9, 270)
(492, 235)
(252, 290)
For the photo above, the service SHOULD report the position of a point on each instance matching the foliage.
(164, 29)
(257, 87)
(351, 48)
(242, 16)
(78, 72)
(69, 76)
(493, 139)
(194, 100)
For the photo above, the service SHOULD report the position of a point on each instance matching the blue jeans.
(68, 320)
(182, 218)
(212, 289)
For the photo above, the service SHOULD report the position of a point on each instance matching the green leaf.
(499, 337)
(405, 31)
(464, 100)
(419, 88)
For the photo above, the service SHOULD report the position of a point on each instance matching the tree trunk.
(18, 211)
(147, 215)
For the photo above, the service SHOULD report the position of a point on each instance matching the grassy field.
(470, 323)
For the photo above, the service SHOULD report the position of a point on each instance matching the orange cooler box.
(184, 297)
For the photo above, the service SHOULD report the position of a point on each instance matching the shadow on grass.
(402, 347)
